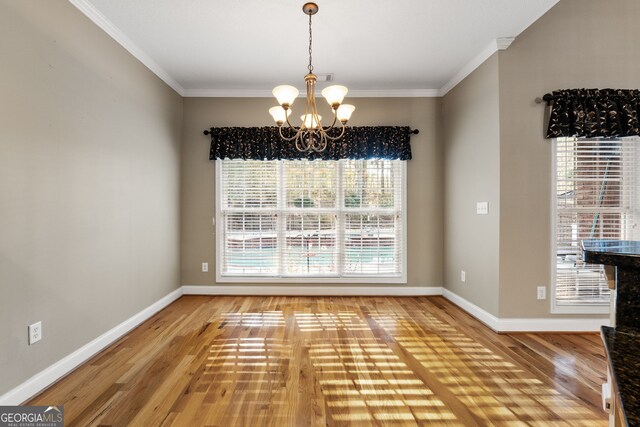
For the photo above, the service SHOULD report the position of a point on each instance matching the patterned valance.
(264, 143)
(593, 113)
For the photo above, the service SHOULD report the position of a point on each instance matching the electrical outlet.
(35, 333)
(482, 208)
(463, 276)
(205, 267)
(542, 292)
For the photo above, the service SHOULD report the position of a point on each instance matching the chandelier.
(311, 135)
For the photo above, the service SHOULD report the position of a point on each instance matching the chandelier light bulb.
(344, 112)
(285, 94)
(334, 94)
(279, 114)
(309, 121)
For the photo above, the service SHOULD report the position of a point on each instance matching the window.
(596, 197)
(320, 220)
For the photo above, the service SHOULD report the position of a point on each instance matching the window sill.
(399, 280)
(580, 309)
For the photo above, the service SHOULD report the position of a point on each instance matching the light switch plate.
(482, 208)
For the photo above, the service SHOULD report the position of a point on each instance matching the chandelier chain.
(310, 66)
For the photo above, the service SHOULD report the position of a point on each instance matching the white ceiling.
(246, 47)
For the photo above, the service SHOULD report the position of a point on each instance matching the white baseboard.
(524, 324)
(495, 323)
(48, 376)
(400, 290)
(551, 325)
(482, 315)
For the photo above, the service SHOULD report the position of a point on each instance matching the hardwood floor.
(302, 361)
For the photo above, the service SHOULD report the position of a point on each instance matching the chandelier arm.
(285, 137)
(289, 123)
(314, 112)
(315, 109)
(319, 148)
(333, 138)
(316, 118)
(311, 103)
(335, 119)
(301, 144)
(312, 140)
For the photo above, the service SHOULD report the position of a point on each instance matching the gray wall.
(471, 113)
(89, 184)
(578, 43)
(424, 177)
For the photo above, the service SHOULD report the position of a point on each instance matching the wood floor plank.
(332, 361)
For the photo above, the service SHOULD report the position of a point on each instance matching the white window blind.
(319, 219)
(250, 205)
(372, 218)
(596, 197)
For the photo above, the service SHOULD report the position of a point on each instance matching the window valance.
(264, 143)
(593, 113)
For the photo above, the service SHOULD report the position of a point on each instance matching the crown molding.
(90, 11)
(503, 43)
(394, 93)
(356, 93)
(497, 44)
(227, 93)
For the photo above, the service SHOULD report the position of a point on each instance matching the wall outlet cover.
(205, 267)
(463, 276)
(482, 208)
(542, 292)
(35, 333)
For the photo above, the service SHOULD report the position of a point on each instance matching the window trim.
(377, 279)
